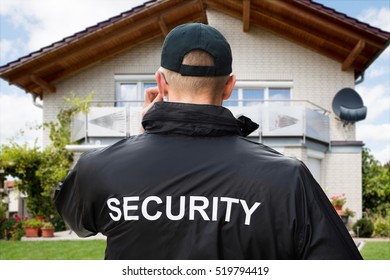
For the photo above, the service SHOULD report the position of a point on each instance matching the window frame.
(240, 86)
(139, 79)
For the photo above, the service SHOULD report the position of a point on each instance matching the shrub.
(3, 210)
(5, 229)
(349, 212)
(11, 229)
(58, 223)
(382, 227)
(338, 200)
(47, 225)
(363, 227)
(34, 223)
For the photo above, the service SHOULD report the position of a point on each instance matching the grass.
(94, 250)
(373, 250)
(53, 250)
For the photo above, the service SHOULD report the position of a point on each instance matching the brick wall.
(344, 176)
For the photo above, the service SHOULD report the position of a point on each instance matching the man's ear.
(229, 87)
(161, 83)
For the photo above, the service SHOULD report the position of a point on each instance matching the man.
(191, 186)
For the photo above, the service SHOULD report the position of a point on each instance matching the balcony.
(105, 124)
(285, 118)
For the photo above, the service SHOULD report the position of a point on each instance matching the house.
(296, 62)
(13, 199)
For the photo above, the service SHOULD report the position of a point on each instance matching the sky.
(28, 25)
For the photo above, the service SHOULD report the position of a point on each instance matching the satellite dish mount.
(348, 106)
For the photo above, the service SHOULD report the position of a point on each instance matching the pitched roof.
(353, 43)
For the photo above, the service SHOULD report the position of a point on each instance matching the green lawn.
(52, 250)
(94, 250)
(376, 250)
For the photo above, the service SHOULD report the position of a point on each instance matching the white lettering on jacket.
(197, 207)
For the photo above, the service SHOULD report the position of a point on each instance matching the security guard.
(191, 186)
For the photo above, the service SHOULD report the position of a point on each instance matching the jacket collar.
(190, 119)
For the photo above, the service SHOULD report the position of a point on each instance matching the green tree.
(40, 171)
(22, 162)
(56, 159)
(387, 166)
(376, 185)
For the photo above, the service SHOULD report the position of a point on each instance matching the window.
(126, 92)
(130, 89)
(247, 94)
(278, 94)
(252, 96)
(233, 97)
(129, 93)
(314, 159)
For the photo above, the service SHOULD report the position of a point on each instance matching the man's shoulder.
(264, 150)
(269, 162)
(102, 152)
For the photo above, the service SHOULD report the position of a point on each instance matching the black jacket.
(191, 187)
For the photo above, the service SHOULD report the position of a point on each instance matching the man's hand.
(152, 95)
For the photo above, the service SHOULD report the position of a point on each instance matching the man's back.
(192, 188)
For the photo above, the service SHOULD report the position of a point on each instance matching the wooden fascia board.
(42, 83)
(85, 48)
(258, 20)
(162, 19)
(106, 54)
(95, 60)
(348, 62)
(246, 15)
(373, 35)
(319, 27)
(322, 48)
(37, 89)
(163, 26)
(34, 89)
(324, 26)
(119, 48)
(261, 20)
(79, 47)
(223, 9)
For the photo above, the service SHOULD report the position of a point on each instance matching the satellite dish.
(348, 106)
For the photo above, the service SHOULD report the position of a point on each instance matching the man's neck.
(192, 98)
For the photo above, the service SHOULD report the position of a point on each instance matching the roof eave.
(358, 47)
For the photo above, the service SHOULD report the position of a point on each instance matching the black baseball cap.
(196, 36)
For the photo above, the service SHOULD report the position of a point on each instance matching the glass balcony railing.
(280, 118)
(286, 118)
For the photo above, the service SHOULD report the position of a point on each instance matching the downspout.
(35, 103)
(361, 80)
